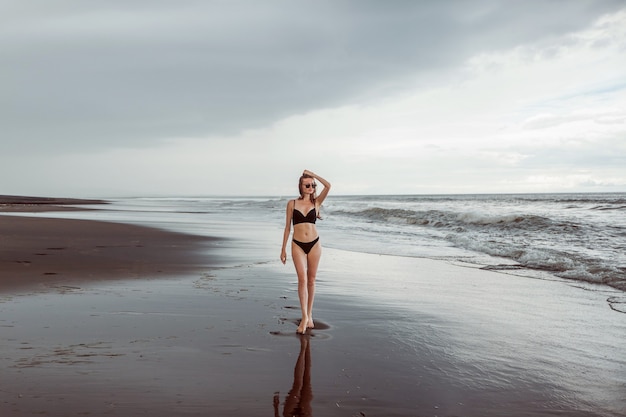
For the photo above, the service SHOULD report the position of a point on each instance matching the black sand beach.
(39, 251)
(146, 324)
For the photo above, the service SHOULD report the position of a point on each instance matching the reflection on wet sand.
(298, 401)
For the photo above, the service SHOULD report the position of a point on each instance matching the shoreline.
(11, 203)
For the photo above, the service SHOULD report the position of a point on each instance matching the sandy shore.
(394, 336)
(42, 251)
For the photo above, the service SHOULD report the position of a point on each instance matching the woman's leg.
(313, 260)
(300, 262)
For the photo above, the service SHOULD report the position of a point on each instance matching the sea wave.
(615, 199)
(564, 264)
(564, 246)
(608, 207)
(460, 221)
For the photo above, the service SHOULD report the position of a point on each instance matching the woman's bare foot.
(302, 327)
(310, 324)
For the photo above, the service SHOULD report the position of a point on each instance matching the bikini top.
(298, 217)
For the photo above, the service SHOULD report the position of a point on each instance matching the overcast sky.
(161, 97)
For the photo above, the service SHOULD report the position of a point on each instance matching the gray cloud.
(80, 75)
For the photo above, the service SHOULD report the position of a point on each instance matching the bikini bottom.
(306, 246)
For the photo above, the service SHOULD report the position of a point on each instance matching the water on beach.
(396, 335)
(574, 236)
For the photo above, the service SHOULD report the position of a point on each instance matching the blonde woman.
(306, 248)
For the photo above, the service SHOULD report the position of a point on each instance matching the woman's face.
(308, 186)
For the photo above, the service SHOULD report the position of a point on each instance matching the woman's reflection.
(298, 401)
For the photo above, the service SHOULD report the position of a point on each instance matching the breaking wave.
(570, 246)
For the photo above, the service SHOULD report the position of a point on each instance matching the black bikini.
(306, 246)
(298, 218)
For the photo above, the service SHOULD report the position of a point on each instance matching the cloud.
(232, 97)
(80, 76)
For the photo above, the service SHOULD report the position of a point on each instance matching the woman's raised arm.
(326, 184)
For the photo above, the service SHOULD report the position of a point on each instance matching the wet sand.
(41, 252)
(137, 321)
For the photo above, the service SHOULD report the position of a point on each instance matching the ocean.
(579, 237)
(574, 236)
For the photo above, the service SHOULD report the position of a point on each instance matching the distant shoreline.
(10, 203)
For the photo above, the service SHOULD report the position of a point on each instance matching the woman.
(305, 246)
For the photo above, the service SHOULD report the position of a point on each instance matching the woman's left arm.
(326, 184)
